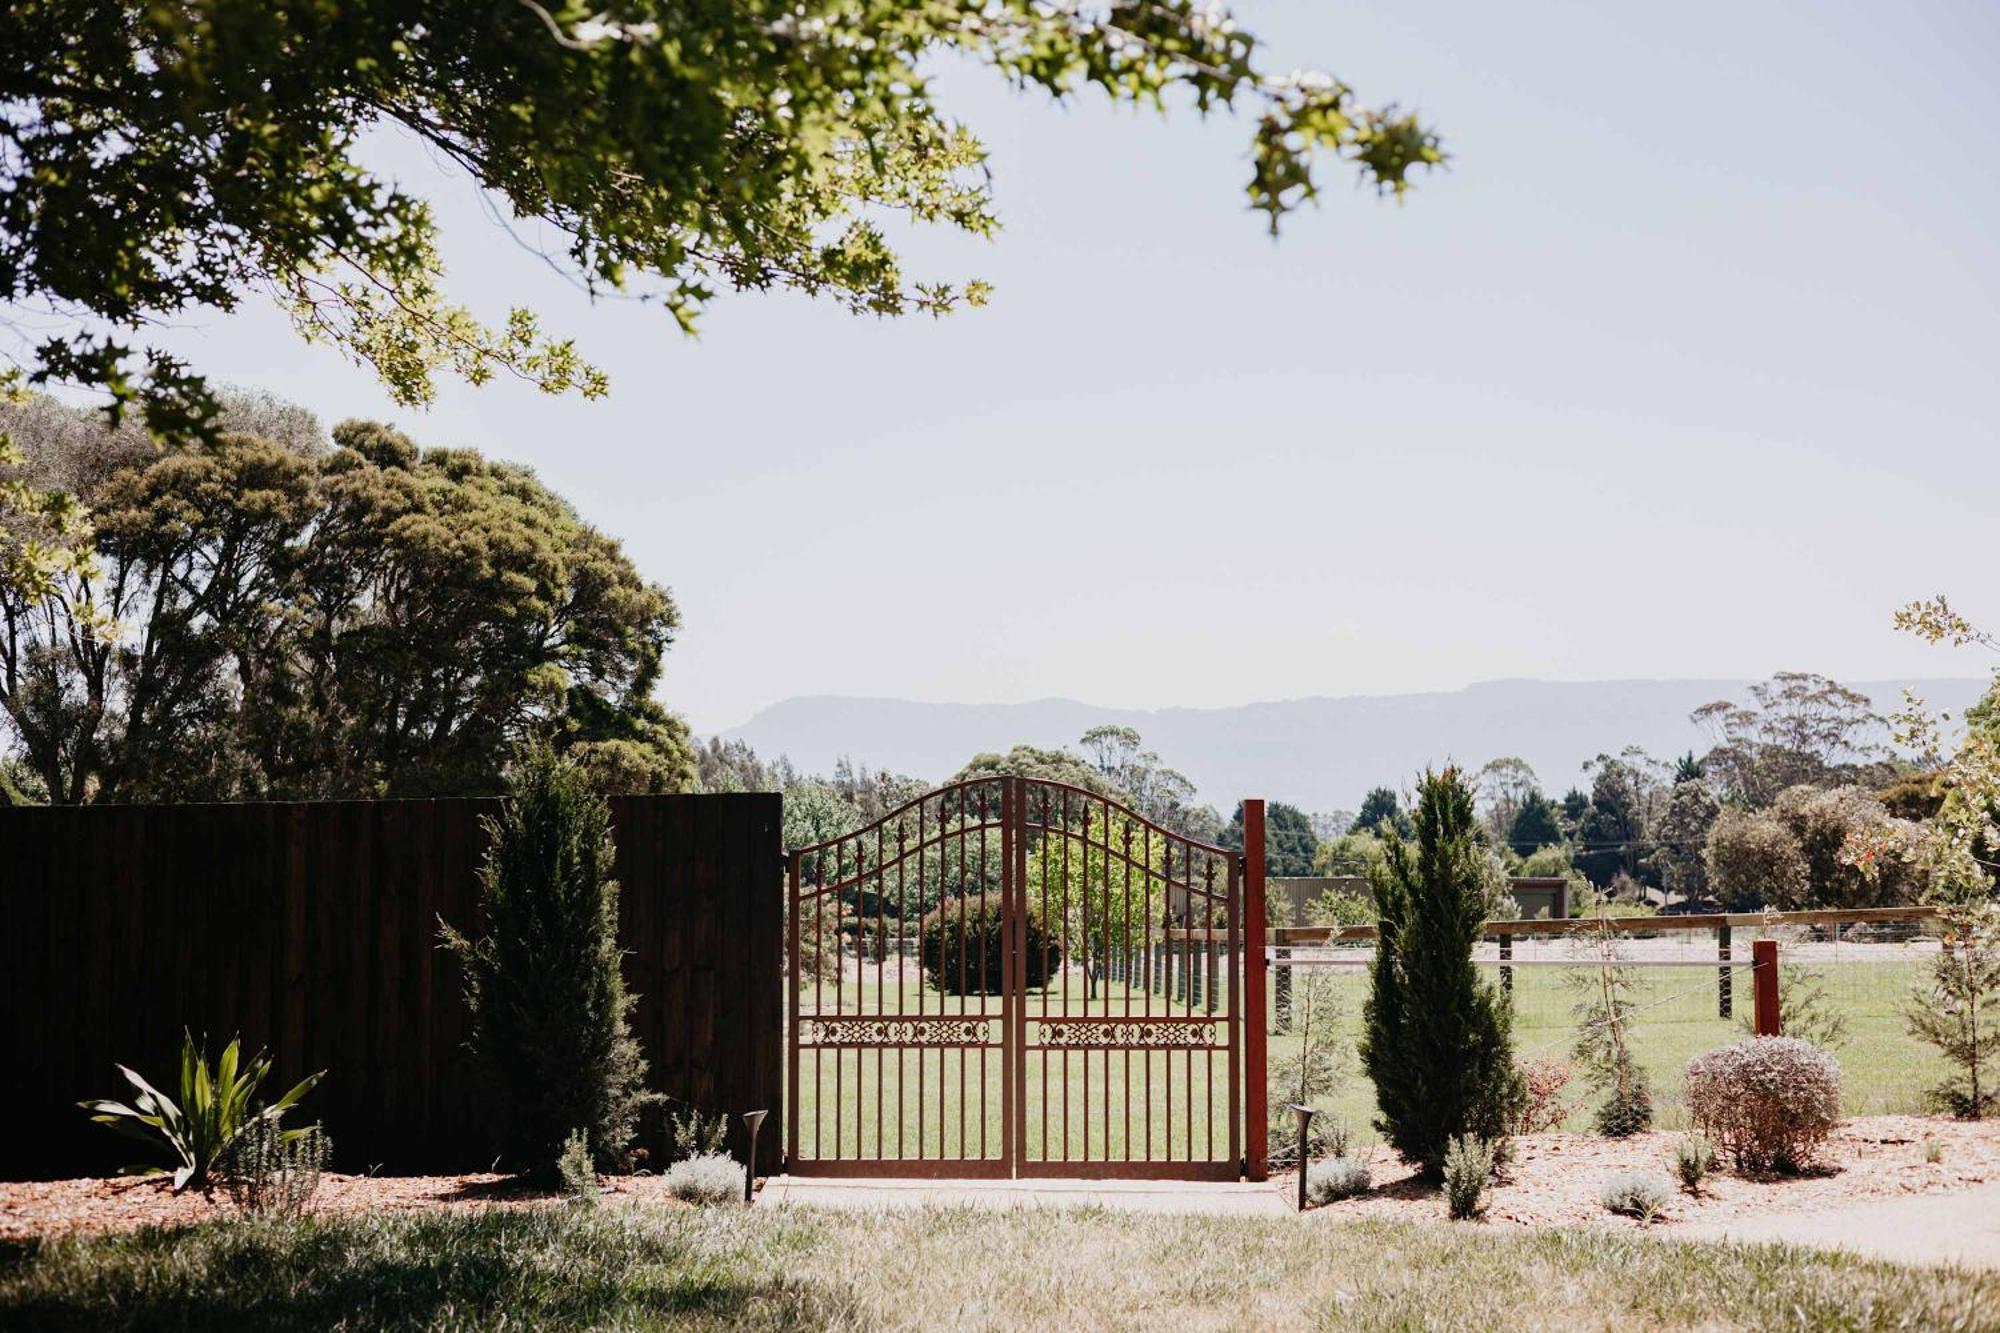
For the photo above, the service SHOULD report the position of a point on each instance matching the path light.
(755, 1121)
(1305, 1115)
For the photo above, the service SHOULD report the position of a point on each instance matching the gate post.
(1764, 987)
(1257, 1158)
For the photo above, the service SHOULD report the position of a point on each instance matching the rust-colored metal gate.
(1016, 977)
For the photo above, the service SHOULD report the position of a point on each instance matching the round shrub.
(1336, 1178)
(1636, 1195)
(1769, 1102)
(707, 1179)
(961, 940)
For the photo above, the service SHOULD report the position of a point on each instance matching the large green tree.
(1289, 844)
(271, 617)
(160, 158)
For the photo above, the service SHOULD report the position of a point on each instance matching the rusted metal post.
(1725, 987)
(1764, 982)
(1256, 1021)
(754, 1120)
(1305, 1117)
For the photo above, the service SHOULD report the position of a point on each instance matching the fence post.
(1764, 970)
(1725, 991)
(1506, 952)
(1256, 1021)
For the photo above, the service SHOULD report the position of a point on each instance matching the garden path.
(1962, 1227)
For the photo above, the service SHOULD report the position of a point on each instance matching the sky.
(1684, 367)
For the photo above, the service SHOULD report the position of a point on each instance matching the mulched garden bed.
(1556, 1178)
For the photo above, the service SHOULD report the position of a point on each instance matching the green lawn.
(1885, 1070)
(648, 1268)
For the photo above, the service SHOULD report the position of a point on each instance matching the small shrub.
(215, 1106)
(1545, 1107)
(578, 1170)
(1338, 1178)
(272, 1171)
(1339, 1134)
(1694, 1161)
(696, 1135)
(1627, 1109)
(1933, 1152)
(1636, 1195)
(708, 1179)
(1468, 1170)
(1956, 1011)
(1769, 1102)
(961, 946)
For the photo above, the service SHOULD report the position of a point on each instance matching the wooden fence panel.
(311, 928)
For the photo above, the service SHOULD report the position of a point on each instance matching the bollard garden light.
(755, 1121)
(1305, 1115)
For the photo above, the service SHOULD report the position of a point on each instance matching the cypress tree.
(551, 1042)
(1436, 1039)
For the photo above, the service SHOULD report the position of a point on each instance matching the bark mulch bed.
(1556, 1178)
(61, 1207)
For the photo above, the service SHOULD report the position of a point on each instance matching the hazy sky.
(1686, 367)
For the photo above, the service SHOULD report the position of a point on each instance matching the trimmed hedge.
(961, 939)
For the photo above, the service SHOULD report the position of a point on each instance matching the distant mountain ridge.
(1317, 753)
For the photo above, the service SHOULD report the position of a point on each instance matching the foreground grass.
(765, 1268)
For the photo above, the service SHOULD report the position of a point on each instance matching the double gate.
(1017, 977)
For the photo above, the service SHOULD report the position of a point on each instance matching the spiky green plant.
(214, 1108)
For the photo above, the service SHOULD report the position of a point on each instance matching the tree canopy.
(156, 159)
(271, 617)
(1289, 842)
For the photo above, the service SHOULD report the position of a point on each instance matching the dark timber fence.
(312, 929)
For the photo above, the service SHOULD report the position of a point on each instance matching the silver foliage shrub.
(1336, 1178)
(709, 1178)
(1636, 1194)
(1769, 1102)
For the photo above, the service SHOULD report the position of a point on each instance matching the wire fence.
(1847, 981)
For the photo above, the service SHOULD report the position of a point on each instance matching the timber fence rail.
(312, 929)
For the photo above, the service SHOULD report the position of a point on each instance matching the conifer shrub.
(1769, 1102)
(961, 941)
(1694, 1161)
(1436, 1039)
(551, 1039)
(273, 1171)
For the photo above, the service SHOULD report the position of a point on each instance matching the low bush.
(1694, 1161)
(708, 1179)
(1636, 1195)
(961, 943)
(1627, 1109)
(1769, 1102)
(1336, 1178)
(1468, 1171)
(1544, 1107)
(272, 1171)
(578, 1170)
(696, 1135)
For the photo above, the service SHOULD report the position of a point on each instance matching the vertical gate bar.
(1146, 1056)
(1256, 1048)
(1125, 971)
(1104, 980)
(819, 997)
(877, 945)
(1234, 963)
(1208, 1007)
(1013, 829)
(921, 987)
(1068, 958)
(1016, 1070)
(1063, 837)
(793, 985)
(903, 955)
(985, 924)
(965, 975)
(840, 1008)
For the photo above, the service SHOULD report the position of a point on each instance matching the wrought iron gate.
(1015, 977)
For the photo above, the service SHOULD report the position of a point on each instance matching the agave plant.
(213, 1110)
